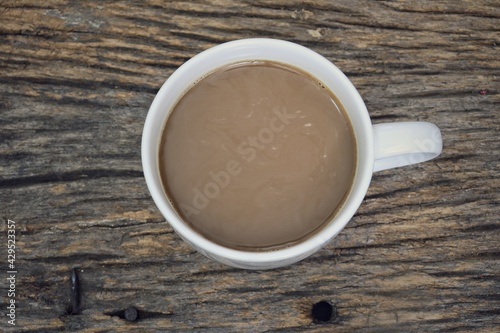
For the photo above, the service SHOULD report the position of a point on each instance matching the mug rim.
(364, 165)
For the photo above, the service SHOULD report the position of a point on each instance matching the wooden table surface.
(76, 82)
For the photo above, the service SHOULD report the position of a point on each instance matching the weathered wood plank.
(76, 81)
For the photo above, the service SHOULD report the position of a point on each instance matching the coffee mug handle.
(404, 143)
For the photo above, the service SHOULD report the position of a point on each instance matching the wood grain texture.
(76, 81)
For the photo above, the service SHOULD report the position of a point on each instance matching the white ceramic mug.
(379, 147)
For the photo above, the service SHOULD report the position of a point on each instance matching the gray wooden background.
(76, 81)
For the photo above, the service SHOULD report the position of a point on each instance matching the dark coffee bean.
(322, 311)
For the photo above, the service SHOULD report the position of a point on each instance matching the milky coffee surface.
(257, 156)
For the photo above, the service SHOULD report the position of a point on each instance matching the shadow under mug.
(379, 147)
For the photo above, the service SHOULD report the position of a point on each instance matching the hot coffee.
(257, 155)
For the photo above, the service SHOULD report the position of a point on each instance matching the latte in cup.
(257, 155)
